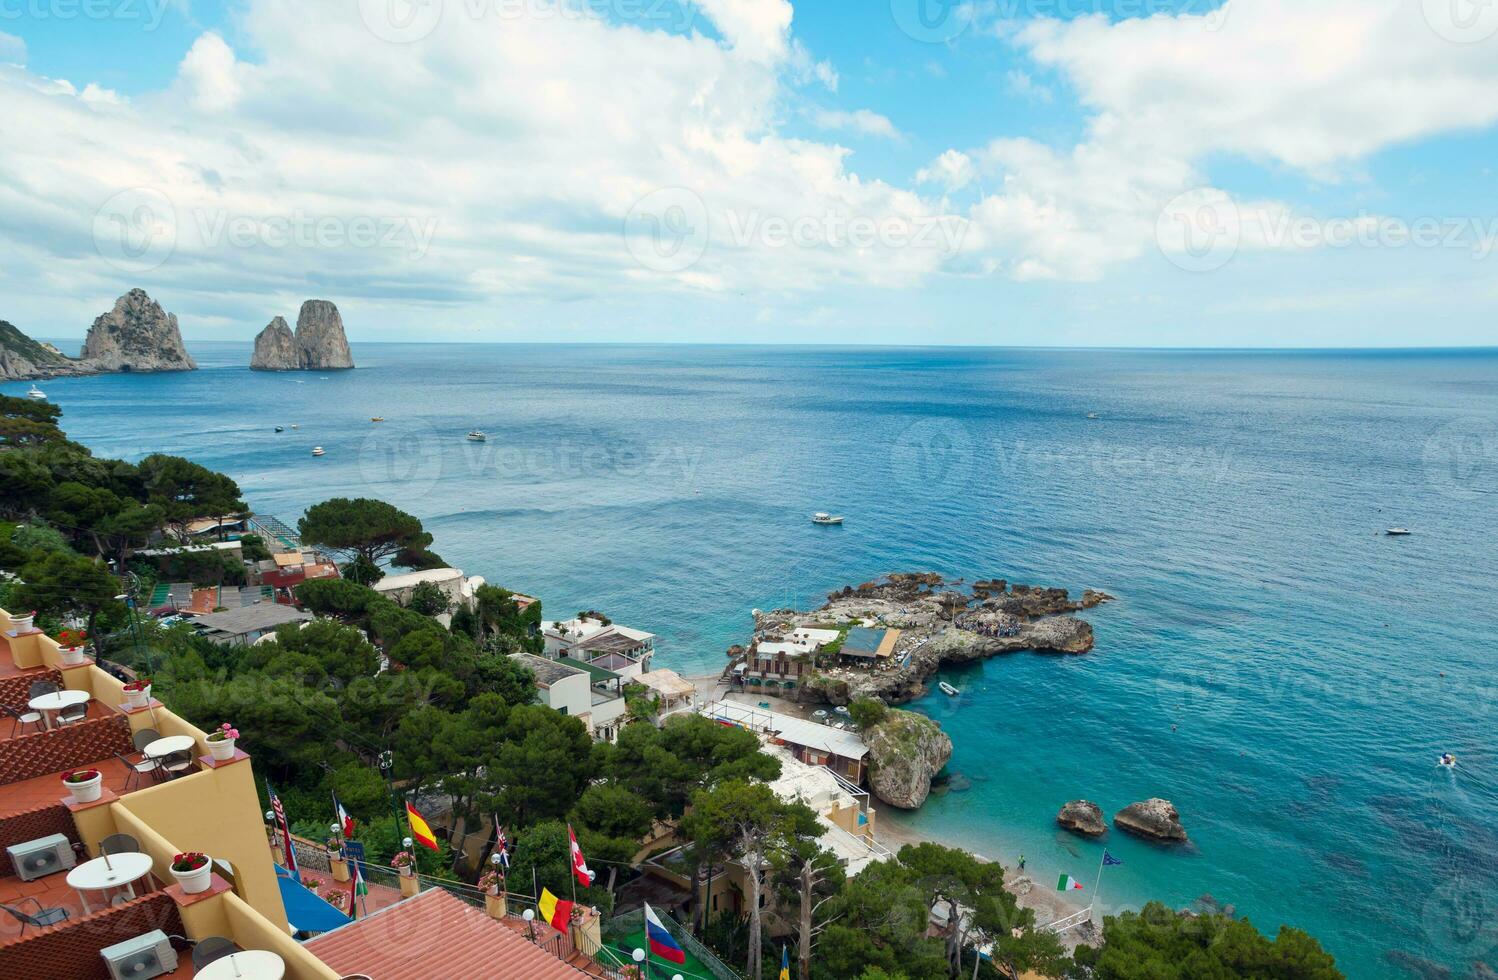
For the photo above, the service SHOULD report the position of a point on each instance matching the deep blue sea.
(1275, 665)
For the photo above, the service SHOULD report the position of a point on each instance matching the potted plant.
(193, 871)
(72, 646)
(221, 742)
(85, 785)
(22, 624)
(405, 863)
(138, 692)
(336, 897)
(490, 882)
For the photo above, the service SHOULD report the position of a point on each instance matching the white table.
(251, 964)
(50, 704)
(169, 744)
(101, 875)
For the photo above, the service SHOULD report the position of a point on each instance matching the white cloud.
(953, 170)
(860, 121)
(12, 49)
(210, 71)
(1021, 84)
(758, 30)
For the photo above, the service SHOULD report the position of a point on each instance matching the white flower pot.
(21, 623)
(222, 749)
(73, 656)
(86, 792)
(193, 882)
(138, 699)
(407, 871)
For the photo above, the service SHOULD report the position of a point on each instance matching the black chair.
(73, 713)
(119, 844)
(143, 738)
(19, 718)
(175, 764)
(210, 949)
(145, 767)
(38, 688)
(43, 917)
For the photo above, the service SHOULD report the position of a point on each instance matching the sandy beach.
(1036, 895)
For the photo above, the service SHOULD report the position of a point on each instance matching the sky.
(1248, 173)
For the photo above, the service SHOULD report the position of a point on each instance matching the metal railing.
(626, 923)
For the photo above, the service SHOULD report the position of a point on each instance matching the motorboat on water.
(295, 426)
(1397, 532)
(36, 393)
(1446, 761)
(377, 418)
(318, 451)
(1093, 415)
(477, 435)
(822, 517)
(948, 689)
(280, 428)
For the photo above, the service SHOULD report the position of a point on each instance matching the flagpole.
(1100, 862)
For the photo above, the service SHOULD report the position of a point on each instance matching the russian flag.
(661, 943)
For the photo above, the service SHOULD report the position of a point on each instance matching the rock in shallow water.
(1154, 818)
(1083, 817)
(905, 751)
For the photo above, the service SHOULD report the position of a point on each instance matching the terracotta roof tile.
(436, 936)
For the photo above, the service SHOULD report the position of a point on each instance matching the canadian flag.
(579, 866)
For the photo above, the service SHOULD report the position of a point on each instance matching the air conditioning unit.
(150, 955)
(43, 856)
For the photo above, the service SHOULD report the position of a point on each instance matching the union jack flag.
(501, 844)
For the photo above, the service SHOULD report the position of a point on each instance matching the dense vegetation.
(376, 702)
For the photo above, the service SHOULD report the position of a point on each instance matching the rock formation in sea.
(24, 359)
(275, 348)
(905, 751)
(1083, 817)
(319, 343)
(137, 335)
(1153, 818)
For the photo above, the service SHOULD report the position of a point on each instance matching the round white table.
(50, 704)
(168, 745)
(99, 875)
(251, 964)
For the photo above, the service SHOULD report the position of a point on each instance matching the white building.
(616, 648)
(591, 694)
(457, 587)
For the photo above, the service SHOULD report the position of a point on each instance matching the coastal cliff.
(319, 343)
(905, 751)
(136, 336)
(24, 359)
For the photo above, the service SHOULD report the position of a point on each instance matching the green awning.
(596, 673)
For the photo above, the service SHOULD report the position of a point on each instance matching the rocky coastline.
(136, 335)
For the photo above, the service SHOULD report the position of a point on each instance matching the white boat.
(317, 451)
(822, 517)
(1447, 760)
(477, 435)
(37, 393)
(1093, 415)
(948, 689)
(377, 418)
(1397, 532)
(280, 428)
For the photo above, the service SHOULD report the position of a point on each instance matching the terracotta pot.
(193, 882)
(221, 749)
(86, 792)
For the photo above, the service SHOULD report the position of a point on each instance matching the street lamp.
(639, 957)
(529, 915)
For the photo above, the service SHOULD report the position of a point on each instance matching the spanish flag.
(554, 910)
(421, 833)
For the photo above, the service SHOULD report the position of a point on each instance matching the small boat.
(948, 689)
(36, 393)
(318, 451)
(377, 418)
(280, 428)
(1397, 532)
(295, 426)
(1093, 415)
(477, 435)
(1447, 760)
(822, 517)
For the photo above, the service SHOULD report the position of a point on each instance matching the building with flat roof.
(866, 644)
(592, 694)
(589, 638)
(238, 627)
(839, 749)
(458, 588)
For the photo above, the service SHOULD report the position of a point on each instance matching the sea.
(1275, 664)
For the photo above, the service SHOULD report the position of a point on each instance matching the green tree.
(67, 585)
(504, 625)
(610, 822)
(540, 767)
(186, 491)
(543, 855)
(867, 712)
(363, 528)
(428, 599)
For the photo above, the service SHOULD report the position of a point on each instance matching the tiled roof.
(435, 936)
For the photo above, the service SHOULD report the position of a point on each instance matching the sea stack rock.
(1155, 818)
(275, 348)
(1083, 817)
(320, 343)
(137, 335)
(905, 751)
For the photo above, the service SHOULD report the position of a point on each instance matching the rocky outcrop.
(275, 348)
(1154, 818)
(137, 335)
(1083, 817)
(319, 343)
(905, 751)
(24, 359)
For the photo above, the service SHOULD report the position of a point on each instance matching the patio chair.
(119, 844)
(143, 738)
(210, 949)
(72, 714)
(43, 917)
(175, 763)
(18, 718)
(145, 767)
(38, 688)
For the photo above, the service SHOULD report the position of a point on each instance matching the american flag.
(281, 825)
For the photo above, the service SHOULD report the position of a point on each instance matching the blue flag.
(1110, 859)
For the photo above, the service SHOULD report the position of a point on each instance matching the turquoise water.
(1232, 501)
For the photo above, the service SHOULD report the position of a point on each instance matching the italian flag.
(357, 890)
(1066, 883)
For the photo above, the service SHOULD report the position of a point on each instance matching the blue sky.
(1134, 173)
